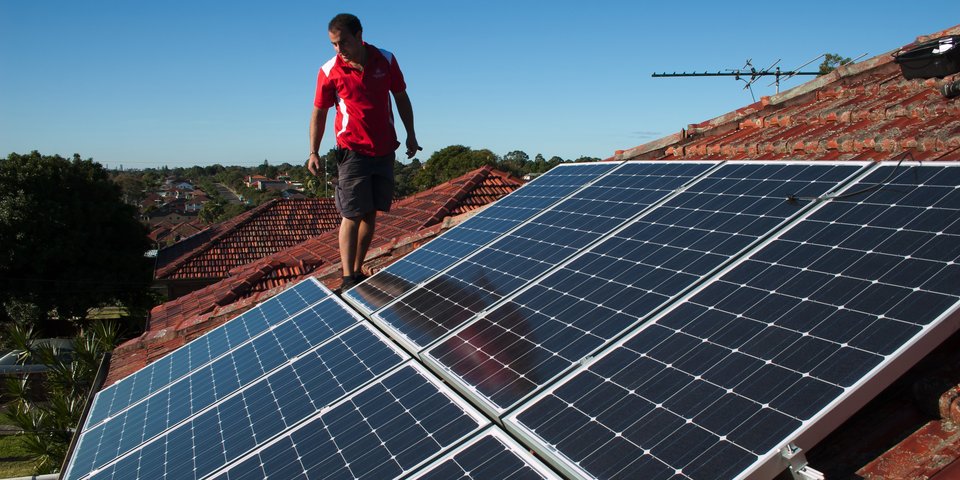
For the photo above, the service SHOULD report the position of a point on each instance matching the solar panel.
(527, 341)
(491, 454)
(384, 431)
(541, 243)
(218, 341)
(472, 234)
(780, 349)
(213, 382)
(214, 432)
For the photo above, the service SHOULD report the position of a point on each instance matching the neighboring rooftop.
(861, 111)
(267, 229)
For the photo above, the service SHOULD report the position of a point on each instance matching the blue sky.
(181, 83)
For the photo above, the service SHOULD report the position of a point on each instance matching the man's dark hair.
(345, 22)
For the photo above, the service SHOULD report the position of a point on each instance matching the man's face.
(348, 46)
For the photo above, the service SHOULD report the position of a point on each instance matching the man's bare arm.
(405, 109)
(318, 122)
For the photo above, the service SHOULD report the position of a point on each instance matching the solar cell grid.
(472, 234)
(756, 358)
(549, 327)
(213, 382)
(492, 454)
(218, 341)
(507, 264)
(384, 431)
(225, 430)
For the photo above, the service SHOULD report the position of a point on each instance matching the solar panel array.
(557, 321)
(715, 386)
(634, 320)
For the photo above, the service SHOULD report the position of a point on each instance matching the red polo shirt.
(364, 121)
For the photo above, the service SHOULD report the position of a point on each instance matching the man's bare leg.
(349, 228)
(364, 235)
(355, 236)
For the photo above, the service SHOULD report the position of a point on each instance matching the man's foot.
(346, 284)
(359, 277)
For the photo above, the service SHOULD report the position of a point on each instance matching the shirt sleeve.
(397, 85)
(326, 95)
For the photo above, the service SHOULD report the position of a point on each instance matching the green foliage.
(404, 176)
(451, 162)
(132, 186)
(47, 426)
(211, 211)
(514, 163)
(831, 61)
(67, 240)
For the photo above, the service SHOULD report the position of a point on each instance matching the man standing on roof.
(358, 80)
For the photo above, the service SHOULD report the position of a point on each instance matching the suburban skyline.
(179, 84)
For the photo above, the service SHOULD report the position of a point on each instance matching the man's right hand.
(313, 164)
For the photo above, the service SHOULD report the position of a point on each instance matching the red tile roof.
(410, 223)
(267, 229)
(862, 111)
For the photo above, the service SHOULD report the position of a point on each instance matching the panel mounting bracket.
(799, 469)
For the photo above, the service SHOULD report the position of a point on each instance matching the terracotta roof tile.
(864, 111)
(267, 229)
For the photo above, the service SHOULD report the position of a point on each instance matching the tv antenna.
(748, 74)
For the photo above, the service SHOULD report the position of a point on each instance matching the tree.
(514, 163)
(831, 61)
(47, 426)
(404, 178)
(67, 241)
(211, 211)
(132, 187)
(451, 162)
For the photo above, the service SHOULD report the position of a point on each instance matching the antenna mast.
(748, 71)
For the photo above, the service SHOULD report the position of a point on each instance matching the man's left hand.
(412, 147)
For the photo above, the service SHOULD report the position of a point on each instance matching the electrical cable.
(794, 198)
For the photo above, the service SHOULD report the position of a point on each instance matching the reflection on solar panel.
(384, 431)
(492, 454)
(472, 234)
(775, 351)
(543, 242)
(551, 326)
(161, 373)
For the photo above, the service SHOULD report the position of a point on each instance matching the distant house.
(253, 180)
(274, 185)
(195, 203)
(152, 199)
(173, 213)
